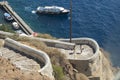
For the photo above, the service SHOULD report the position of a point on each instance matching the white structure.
(85, 56)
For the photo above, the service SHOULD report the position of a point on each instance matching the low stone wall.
(49, 42)
(40, 55)
(56, 43)
(3, 34)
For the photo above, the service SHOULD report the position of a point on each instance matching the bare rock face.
(10, 72)
(107, 69)
(80, 76)
(22, 62)
(72, 73)
(68, 69)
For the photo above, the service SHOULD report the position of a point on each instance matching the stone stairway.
(20, 61)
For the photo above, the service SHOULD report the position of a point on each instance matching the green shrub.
(58, 71)
(6, 28)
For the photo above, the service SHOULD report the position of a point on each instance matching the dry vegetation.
(46, 36)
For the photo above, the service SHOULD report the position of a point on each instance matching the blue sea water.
(97, 19)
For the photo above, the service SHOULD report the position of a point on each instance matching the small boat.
(53, 10)
(8, 17)
(15, 25)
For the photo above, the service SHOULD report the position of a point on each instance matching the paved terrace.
(79, 52)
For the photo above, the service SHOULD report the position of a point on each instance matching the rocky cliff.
(105, 71)
(106, 68)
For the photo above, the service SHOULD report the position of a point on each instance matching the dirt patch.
(10, 72)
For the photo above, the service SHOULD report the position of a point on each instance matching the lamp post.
(70, 21)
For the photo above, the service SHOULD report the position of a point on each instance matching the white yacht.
(53, 10)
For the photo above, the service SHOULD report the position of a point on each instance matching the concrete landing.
(79, 52)
(19, 61)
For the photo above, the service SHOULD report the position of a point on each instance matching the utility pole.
(70, 20)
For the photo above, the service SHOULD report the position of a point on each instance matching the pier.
(16, 17)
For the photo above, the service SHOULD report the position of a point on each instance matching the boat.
(53, 10)
(8, 17)
(15, 25)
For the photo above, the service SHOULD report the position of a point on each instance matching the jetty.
(16, 17)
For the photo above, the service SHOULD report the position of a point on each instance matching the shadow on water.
(52, 19)
(62, 16)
